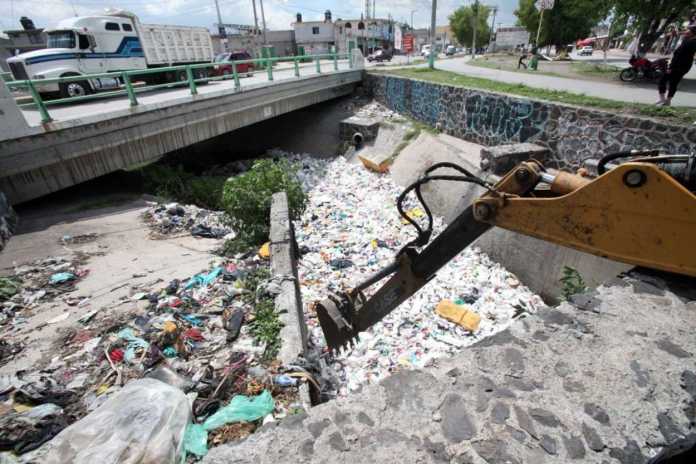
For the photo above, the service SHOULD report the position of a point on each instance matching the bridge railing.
(190, 76)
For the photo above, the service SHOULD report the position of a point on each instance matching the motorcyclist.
(682, 60)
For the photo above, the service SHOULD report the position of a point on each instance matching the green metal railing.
(6, 76)
(187, 75)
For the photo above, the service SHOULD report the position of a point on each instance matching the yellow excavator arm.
(642, 212)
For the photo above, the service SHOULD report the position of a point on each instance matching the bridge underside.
(37, 165)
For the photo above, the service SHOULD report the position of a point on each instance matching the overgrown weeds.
(246, 198)
(173, 182)
(572, 282)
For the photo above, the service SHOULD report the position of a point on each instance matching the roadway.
(66, 112)
(627, 92)
(641, 92)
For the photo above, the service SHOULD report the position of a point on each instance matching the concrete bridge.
(91, 139)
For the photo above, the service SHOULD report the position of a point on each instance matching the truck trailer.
(115, 41)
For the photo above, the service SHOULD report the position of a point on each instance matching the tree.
(566, 22)
(462, 24)
(651, 18)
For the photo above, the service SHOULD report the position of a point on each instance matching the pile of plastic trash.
(351, 229)
(175, 218)
(188, 344)
(29, 286)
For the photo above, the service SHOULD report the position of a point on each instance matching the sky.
(279, 13)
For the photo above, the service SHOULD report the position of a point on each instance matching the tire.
(628, 75)
(74, 89)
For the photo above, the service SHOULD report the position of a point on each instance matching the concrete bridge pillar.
(12, 122)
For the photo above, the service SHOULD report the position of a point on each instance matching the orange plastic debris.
(459, 315)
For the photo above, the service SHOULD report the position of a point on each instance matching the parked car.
(586, 50)
(380, 55)
(451, 50)
(226, 69)
(425, 51)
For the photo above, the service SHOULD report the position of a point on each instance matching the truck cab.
(82, 45)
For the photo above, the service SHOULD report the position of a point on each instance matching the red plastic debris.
(116, 355)
(193, 334)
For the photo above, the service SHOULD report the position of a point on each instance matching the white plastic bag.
(144, 423)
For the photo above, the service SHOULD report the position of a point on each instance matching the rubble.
(351, 229)
(174, 218)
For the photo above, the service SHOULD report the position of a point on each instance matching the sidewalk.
(635, 93)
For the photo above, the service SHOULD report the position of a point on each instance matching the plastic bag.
(60, 277)
(241, 408)
(204, 279)
(133, 343)
(144, 423)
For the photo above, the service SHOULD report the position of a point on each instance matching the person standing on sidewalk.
(682, 60)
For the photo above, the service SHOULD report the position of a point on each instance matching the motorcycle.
(643, 68)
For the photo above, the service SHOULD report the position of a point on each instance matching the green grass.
(677, 114)
(594, 69)
(265, 328)
(511, 66)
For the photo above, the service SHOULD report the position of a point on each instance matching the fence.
(190, 75)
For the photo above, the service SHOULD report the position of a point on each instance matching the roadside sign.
(408, 43)
(544, 4)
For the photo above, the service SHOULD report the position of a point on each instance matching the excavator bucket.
(336, 319)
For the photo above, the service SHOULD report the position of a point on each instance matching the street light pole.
(431, 60)
(495, 10)
(221, 29)
(263, 22)
(256, 30)
(473, 39)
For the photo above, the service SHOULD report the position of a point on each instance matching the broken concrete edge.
(8, 221)
(288, 302)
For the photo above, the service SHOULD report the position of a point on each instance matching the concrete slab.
(607, 382)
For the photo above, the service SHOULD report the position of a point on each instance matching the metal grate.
(18, 71)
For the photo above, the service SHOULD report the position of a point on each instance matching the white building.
(314, 37)
(365, 34)
(510, 37)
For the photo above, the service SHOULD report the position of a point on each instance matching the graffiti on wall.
(573, 134)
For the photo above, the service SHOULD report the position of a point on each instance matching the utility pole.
(263, 22)
(541, 20)
(256, 30)
(412, 11)
(473, 39)
(495, 10)
(221, 28)
(431, 58)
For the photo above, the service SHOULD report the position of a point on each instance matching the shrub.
(247, 198)
(185, 187)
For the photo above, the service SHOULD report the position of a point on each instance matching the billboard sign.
(408, 43)
(398, 38)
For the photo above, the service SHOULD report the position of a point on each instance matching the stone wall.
(572, 133)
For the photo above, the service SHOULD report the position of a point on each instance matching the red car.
(226, 69)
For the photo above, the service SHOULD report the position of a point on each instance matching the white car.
(425, 51)
(586, 50)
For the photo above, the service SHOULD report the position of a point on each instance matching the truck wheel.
(74, 89)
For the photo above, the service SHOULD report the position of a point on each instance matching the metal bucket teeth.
(338, 331)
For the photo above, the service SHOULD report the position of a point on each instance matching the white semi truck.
(115, 41)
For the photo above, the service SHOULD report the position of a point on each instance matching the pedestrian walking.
(682, 60)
